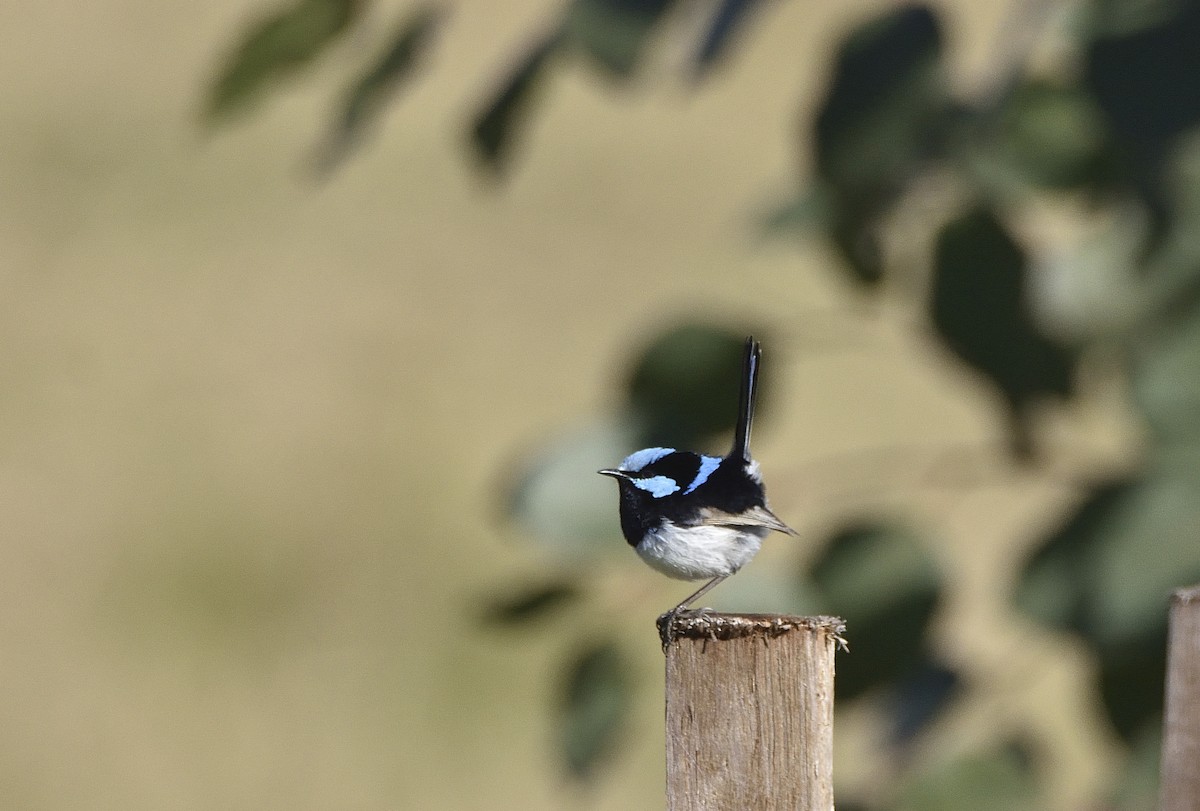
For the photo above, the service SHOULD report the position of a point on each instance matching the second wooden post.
(1181, 723)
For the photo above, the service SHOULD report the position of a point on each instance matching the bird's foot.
(666, 621)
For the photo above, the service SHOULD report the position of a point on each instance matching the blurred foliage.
(1128, 544)
(883, 582)
(885, 114)
(494, 132)
(531, 603)
(1136, 788)
(613, 33)
(611, 36)
(1117, 134)
(729, 18)
(366, 97)
(1140, 65)
(672, 385)
(999, 780)
(595, 702)
(1053, 136)
(274, 49)
(1104, 575)
(979, 310)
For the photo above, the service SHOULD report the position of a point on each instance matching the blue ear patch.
(657, 486)
(707, 465)
(639, 459)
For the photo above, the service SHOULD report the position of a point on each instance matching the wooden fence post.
(750, 712)
(1181, 722)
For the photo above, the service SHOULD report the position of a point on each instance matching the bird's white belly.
(697, 553)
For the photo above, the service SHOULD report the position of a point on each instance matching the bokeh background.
(316, 325)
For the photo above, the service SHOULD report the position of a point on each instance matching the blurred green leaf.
(1107, 575)
(556, 498)
(722, 29)
(1138, 281)
(807, 210)
(1143, 75)
(1166, 376)
(886, 83)
(1096, 289)
(919, 698)
(885, 115)
(1183, 192)
(1135, 786)
(531, 603)
(684, 387)
(596, 699)
(276, 48)
(886, 586)
(1117, 18)
(993, 781)
(1053, 587)
(613, 32)
(1108, 572)
(979, 310)
(854, 233)
(365, 99)
(495, 130)
(1147, 548)
(1132, 672)
(1053, 136)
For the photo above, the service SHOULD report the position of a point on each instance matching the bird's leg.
(700, 592)
(664, 621)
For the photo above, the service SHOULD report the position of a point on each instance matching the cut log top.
(1186, 596)
(710, 625)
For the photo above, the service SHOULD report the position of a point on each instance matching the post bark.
(750, 711)
(1181, 721)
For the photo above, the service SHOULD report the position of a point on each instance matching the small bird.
(692, 516)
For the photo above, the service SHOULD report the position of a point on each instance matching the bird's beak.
(616, 474)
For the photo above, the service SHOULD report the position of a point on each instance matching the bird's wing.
(753, 517)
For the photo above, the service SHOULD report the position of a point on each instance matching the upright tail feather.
(741, 435)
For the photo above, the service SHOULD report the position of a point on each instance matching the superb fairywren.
(692, 516)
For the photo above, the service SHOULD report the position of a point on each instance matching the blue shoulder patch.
(707, 465)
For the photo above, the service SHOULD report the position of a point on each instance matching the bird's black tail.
(741, 436)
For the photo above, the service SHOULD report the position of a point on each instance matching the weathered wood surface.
(1181, 724)
(750, 712)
